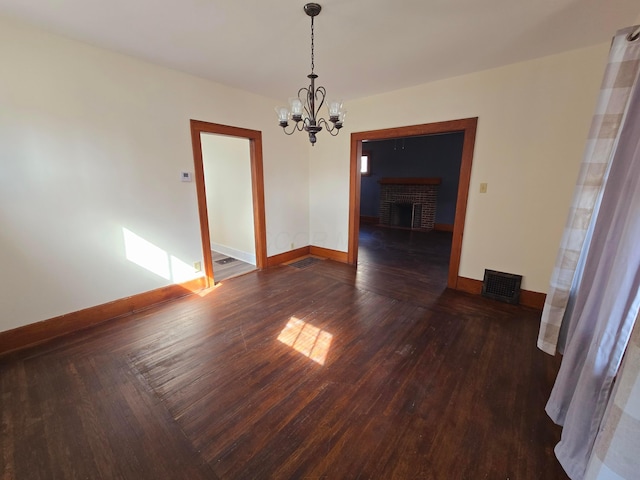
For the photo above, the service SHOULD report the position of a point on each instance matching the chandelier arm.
(323, 123)
(308, 106)
(332, 128)
(296, 127)
(305, 90)
(322, 91)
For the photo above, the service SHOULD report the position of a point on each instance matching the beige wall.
(227, 173)
(533, 122)
(92, 144)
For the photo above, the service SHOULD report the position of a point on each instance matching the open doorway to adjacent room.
(227, 178)
(229, 181)
(408, 197)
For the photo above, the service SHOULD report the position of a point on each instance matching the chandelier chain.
(312, 47)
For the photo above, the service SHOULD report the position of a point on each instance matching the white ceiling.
(363, 47)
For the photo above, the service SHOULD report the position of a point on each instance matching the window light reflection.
(156, 260)
(310, 341)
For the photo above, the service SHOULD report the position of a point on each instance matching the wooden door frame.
(468, 127)
(257, 189)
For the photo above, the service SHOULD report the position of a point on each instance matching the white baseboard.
(232, 252)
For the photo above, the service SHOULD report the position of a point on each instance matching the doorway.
(468, 128)
(198, 128)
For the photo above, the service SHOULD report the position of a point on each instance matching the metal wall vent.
(501, 286)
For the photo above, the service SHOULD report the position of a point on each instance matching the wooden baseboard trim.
(308, 250)
(287, 256)
(527, 297)
(443, 227)
(532, 299)
(336, 255)
(469, 285)
(41, 332)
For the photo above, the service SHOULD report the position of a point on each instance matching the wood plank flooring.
(325, 372)
(225, 271)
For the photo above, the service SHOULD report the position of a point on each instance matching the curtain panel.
(620, 75)
(595, 301)
(615, 454)
(606, 306)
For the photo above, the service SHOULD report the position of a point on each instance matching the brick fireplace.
(408, 202)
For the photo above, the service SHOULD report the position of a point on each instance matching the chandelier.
(304, 108)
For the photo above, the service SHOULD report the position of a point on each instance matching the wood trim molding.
(285, 257)
(336, 255)
(468, 144)
(527, 297)
(203, 215)
(469, 285)
(40, 332)
(532, 299)
(257, 185)
(291, 255)
(257, 189)
(466, 125)
(354, 198)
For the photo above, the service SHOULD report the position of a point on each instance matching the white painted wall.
(227, 173)
(533, 123)
(92, 144)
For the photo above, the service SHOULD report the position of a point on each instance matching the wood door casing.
(257, 189)
(468, 127)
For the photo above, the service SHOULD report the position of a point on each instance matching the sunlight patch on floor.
(308, 340)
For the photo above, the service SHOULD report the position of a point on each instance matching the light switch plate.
(185, 176)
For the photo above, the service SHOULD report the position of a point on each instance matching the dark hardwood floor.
(323, 372)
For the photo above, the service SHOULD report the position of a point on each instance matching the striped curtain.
(615, 454)
(620, 75)
(594, 301)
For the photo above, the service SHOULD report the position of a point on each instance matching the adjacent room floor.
(321, 372)
(226, 267)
